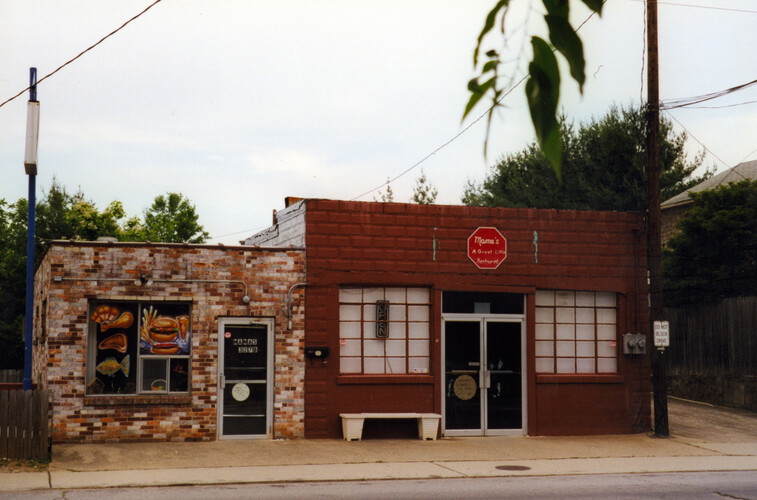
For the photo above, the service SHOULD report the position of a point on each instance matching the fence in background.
(25, 424)
(713, 351)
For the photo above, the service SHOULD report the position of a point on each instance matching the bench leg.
(428, 428)
(352, 429)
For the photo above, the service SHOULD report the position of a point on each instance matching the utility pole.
(654, 240)
(30, 165)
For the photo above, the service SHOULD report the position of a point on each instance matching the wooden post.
(654, 240)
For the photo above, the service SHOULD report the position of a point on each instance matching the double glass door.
(483, 376)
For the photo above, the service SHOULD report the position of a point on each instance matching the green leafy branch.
(543, 85)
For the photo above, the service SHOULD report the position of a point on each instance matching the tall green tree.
(603, 168)
(714, 253)
(12, 282)
(172, 218)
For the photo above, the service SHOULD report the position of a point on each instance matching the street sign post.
(661, 334)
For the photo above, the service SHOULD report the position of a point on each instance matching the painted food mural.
(150, 354)
(116, 349)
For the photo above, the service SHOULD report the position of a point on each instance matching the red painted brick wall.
(354, 243)
(61, 333)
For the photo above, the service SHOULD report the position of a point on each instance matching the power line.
(675, 4)
(689, 101)
(732, 169)
(82, 52)
(464, 130)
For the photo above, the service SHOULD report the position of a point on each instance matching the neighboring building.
(140, 341)
(531, 344)
(673, 209)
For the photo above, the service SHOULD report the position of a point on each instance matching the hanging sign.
(487, 248)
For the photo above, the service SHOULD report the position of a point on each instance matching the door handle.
(223, 381)
(484, 379)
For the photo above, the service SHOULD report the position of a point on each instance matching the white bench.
(352, 423)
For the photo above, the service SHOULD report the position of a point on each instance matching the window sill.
(135, 400)
(386, 379)
(605, 378)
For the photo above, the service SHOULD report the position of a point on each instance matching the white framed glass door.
(484, 375)
(245, 378)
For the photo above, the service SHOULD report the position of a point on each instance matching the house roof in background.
(745, 170)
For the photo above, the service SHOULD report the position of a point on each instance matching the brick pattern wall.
(392, 244)
(61, 343)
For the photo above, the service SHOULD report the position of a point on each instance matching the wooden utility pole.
(654, 240)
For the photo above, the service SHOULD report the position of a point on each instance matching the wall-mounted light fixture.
(143, 281)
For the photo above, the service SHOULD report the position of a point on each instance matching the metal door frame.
(482, 319)
(269, 324)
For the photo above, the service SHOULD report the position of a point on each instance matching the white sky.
(237, 104)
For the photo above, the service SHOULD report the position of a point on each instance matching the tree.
(172, 218)
(604, 166)
(543, 85)
(387, 196)
(424, 192)
(12, 282)
(61, 215)
(714, 254)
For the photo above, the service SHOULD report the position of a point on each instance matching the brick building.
(504, 321)
(140, 341)
(423, 308)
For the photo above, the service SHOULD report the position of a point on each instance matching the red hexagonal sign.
(487, 248)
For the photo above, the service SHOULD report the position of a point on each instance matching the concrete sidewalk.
(703, 439)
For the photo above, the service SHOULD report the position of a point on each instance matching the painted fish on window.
(110, 366)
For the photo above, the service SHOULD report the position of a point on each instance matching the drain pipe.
(289, 303)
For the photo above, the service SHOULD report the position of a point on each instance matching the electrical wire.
(689, 101)
(82, 52)
(674, 4)
(464, 130)
(731, 169)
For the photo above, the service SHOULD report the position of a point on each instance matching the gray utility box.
(634, 343)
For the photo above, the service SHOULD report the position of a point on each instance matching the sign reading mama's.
(487, 248)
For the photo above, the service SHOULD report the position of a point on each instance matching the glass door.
(503, 376)
(483, 376)
(462, 372)
(245, 385)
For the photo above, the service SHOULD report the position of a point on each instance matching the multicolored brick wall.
(208, 278)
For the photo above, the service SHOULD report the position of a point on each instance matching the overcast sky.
(239, 104)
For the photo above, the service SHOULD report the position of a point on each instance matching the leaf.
(543, 93)
(490, 66)
(488, 25)
(557, 7)
(595, 5)
(477, 92)
(565, 39)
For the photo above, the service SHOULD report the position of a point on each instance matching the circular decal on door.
(240, 392)
(464, 387)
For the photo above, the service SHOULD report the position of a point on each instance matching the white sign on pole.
(661, 334)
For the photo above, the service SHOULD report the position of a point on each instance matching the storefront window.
(138, 347)
(576, 332)
(384, 330)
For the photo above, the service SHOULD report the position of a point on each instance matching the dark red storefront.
(524, 340)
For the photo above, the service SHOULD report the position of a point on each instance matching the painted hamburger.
(163, 330)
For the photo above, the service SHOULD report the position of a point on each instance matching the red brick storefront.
(92, 347)
(573, 283)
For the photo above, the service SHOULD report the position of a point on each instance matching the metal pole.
(30, 229)
(654, 241)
